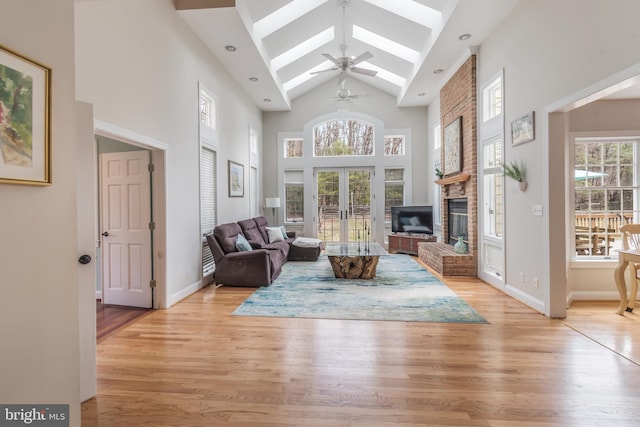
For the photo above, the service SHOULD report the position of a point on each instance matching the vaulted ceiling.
(278, 50)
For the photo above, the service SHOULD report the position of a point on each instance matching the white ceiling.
(429, 30)
(425, 32)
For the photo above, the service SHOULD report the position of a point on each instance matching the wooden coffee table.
(353, 260)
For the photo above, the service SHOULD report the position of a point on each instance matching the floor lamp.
(273, 203)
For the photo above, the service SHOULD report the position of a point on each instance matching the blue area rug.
(402, 290)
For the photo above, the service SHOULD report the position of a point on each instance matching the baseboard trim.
(99, 295)
(185, 292)
(593, 296)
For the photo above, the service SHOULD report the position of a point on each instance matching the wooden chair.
(631, 240)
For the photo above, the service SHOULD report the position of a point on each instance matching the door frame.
(159, 154)
(343, 200)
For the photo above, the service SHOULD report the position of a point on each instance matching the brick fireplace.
(458, 99)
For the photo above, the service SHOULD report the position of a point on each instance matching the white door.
(126, 235)
(345, 204)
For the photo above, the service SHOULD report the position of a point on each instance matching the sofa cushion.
(251, 232)
(262, 223)
(242, 244)
(275, 234)
(226, 235)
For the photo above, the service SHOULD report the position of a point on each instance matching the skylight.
(284, 16)
(385, 75)
(297, 81)
(303, 48)
(383, 43)
(411, 10)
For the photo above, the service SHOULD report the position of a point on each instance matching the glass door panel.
(328, 201)
(344, 204)
(359, 202)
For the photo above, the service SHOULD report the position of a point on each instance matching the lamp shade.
(272, 202)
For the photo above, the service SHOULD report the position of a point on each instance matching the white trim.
(121, 134)
(99, 295)
(185, 292)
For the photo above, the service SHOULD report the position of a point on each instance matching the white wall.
(549, 51)
(39, 354)
(320, 101)
(139, 65)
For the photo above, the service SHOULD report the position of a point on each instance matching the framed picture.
(523, 129)
(236, 179)
(453, 147)
(25, 145)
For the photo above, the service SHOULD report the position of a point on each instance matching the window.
(294, 196)
(605, 193)
(393, 194)
(293, 147)
(343, 138)
(493, 183)
(208, 214)
(492, 97)
(394, 145)
(207, 110)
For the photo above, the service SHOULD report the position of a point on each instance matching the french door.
(344, 203)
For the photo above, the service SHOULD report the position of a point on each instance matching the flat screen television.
(412, 219)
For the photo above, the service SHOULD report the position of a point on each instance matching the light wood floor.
(195, 365)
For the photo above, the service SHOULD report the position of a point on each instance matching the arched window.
(343, 137)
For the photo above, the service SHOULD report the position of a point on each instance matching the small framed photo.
(453, 147)
(236, 179)
(523, 129)
(25, 145)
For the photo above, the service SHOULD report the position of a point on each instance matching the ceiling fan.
(344, 95)
(346, 62)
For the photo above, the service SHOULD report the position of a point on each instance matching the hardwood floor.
(110, 318)
(196, 365)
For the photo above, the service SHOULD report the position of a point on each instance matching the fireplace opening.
(458, 219)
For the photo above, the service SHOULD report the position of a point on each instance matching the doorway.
(344, 204)
(126, 228)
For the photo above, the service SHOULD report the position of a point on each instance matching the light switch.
(536, 210)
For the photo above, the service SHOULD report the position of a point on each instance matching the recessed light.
(230, 48)
(267, 100)
(438, 71)
(465, 36)
(253, 79)
(421, 94)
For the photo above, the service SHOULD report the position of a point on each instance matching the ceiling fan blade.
(364, 71)
(324, 71)
(362, 57)
(332, 59)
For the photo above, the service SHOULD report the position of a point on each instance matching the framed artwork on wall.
(523, 129)
(25, 143)
(453, 147)
(236, 179)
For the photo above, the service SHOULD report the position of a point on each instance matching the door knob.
(105, 234)
(84, 259)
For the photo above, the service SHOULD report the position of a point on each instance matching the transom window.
(343, 138)
(605, 193)
(394, 145)
(293, 147)
(207, 110)
(492, 96)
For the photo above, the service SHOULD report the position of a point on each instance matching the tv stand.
(408, 243)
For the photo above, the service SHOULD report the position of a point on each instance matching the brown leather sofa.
(260, 266)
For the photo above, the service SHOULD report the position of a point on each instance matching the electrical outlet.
(536, 210)
(535, 282)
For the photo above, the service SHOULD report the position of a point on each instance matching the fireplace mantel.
(457, 181)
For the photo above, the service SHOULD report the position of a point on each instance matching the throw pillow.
(242, 244)
(275, 234)
(284, 232)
